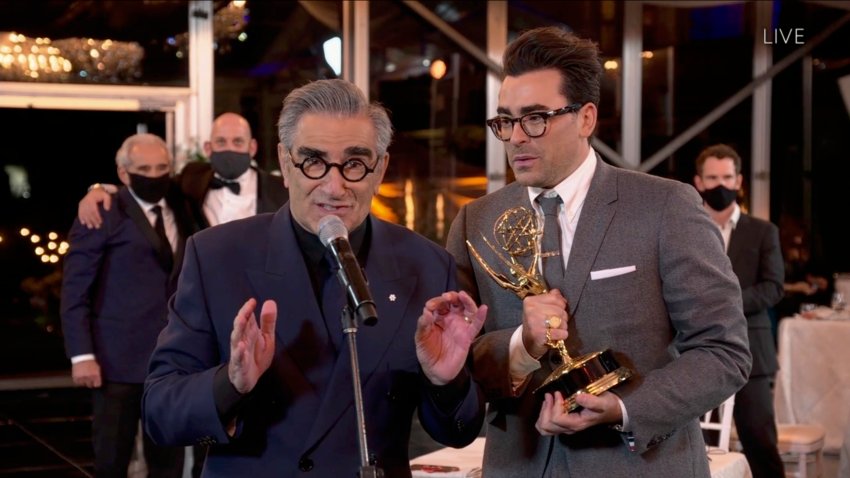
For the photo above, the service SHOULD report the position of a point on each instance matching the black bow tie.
(218, 183)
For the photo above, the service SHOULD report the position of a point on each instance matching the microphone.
(334, 235)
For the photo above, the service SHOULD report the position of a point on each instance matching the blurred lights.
(438, 69)
(647, 55)
(333, 54)
(611, 65)
(50, 253)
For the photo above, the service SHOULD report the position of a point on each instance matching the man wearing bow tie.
(229, 187)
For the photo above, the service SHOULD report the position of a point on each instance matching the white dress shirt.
(222, 205)
(726, 229)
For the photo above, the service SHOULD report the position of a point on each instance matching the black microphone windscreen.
(331, 227)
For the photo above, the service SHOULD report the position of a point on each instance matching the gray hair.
(122, 157)
(332, 97)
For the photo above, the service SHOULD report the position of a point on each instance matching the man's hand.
(86, 374)
(597, 410)
(251, 346)
(536, 310)
(87, 209)
(444, 333)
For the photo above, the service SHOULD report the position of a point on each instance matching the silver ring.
(467, 319)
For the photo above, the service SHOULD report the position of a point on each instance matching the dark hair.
(719, 151)
(577, 59)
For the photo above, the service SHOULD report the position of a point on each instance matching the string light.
(50, 253)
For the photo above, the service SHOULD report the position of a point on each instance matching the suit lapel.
(140, 219)
(392, 292)
(263, 198)
(286, 281)
(196, 191)
(737, 240)
(178, 207)
(596, 215)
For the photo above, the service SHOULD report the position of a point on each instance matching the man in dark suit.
(275, 398)
(753, 247)
(116, 283)
(228, 187)
(632, 262)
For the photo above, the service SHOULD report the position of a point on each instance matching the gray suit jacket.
(676, 321)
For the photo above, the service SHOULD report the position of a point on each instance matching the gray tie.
(553, 265)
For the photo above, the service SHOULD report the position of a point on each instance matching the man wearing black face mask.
(115, 287)
(224, 189)
(228, 187)
(753, 248)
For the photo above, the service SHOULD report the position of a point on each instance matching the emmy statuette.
(518, 236)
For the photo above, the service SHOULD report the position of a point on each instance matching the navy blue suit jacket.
(302, 411)
(115, 288)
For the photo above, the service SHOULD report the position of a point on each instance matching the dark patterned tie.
(553, 265)
(165, 246)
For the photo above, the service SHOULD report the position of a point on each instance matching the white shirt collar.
(146, 206)
(736, 215)
(573, 189)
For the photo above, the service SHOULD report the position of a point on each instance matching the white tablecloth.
(466, 462)
(813, 383)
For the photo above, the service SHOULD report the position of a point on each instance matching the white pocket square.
(606, 273)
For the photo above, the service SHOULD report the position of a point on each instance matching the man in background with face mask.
(225, 189)
(115, 288)
(753, 248)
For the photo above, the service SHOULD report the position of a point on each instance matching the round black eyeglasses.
(533, 124)
(314, 167)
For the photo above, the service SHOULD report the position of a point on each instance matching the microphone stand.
(368, 469)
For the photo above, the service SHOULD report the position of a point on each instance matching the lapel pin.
(392, 297)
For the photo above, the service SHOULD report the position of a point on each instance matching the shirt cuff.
(81, 358)
(227, 399)
(521, 363)
(624, 426)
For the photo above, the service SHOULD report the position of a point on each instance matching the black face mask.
(719, 197)
(149, 189)
(230, 164)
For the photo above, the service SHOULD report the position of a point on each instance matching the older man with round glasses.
(273, 397)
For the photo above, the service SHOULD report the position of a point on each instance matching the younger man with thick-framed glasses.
(639, 268)
(274, 397)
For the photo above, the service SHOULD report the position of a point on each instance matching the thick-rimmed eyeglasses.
(533, 124)
(314, 167)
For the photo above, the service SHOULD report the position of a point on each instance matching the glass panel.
(436, 93)
(280, 49)
(45, 168)
(94, 42)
